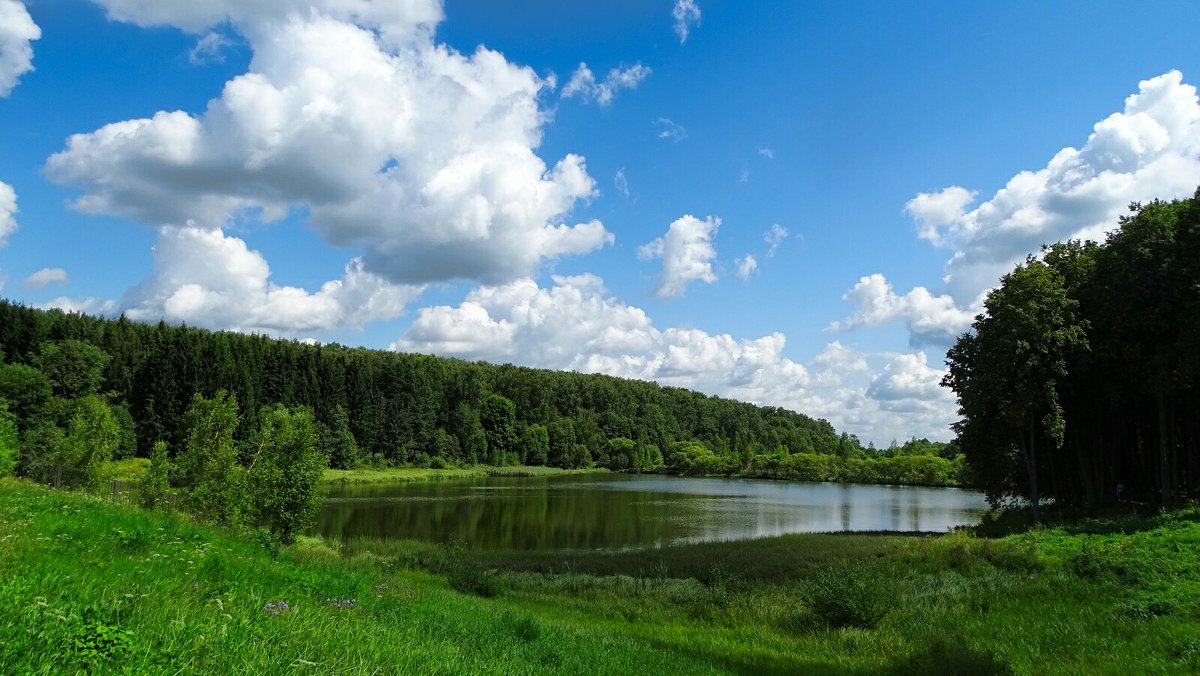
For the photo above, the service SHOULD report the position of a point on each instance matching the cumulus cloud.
(422, 156)
(577, 324)
(90, 305)
(907, 384)
(686, 14)
(46, 276)
(934, 210)
(768, 153)
(931, 320)
(207, 278)
(583, 83)
(399, 22)
(17, 31)
(668, 129)
(746, 265)
(1151, 149)
(687, 253)
(8, 212)
(774, 237)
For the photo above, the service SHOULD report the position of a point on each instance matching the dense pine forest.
(1081, 381)
(385, 409)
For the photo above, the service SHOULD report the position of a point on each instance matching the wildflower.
(276, 608)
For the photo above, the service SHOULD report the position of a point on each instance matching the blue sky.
(792, 203)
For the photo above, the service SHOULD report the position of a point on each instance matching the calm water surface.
(620, 511)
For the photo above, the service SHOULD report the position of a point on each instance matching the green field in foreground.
(93, 587)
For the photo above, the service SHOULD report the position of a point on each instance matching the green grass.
(408, 474)
(130, 469)
(92, 587)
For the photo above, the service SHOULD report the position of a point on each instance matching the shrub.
(284, 478)
(152, 490)
(850, 594)
(952, 658)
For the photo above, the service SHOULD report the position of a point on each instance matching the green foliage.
(1082, 374)
(285, 474)
(465, 574)
(10, 444)
(75, 367)
(127, 443)
(91, 440)
(338, 441)
(209, 476)
(851, 594)
(944, 657)
(154, 487)
(499, 420)
(26, 390)
(535, 445)
(41, 445)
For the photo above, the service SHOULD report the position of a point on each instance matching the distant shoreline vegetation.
(80, 391)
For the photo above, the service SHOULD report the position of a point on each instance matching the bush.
(851, 594)
(9, 443)
(952, 658)
(152, 490)
(284, 478)
(465, 574)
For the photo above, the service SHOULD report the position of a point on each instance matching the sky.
(796, 204)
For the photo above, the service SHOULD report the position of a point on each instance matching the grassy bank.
(407, 474)
(89, 586)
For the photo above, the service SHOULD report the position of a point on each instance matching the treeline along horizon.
(411, 408)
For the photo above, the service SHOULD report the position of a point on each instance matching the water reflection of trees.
(591, 514)
(529, 518)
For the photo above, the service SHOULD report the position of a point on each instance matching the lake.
(612, 511)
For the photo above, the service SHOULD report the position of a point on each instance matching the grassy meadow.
(88, 586)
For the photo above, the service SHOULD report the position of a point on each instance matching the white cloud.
(8, 212)
(686, 14)
(422, 156)
(744, 175)
(620, 182)
(90, 305)
(47, 276)
(584, 85)
(1151, 149)
(687, 253)
(210, 48)
(768, 153)
(934, 210)
(668, 129)
(746, 265)
(774, 237)
(17, 31)
(908, 385)
(576, 324)
(931, 320)
(399, 22)
(206, 278)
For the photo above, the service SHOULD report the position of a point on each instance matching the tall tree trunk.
(1085, 469)
(1031, 466)
(1164, 451)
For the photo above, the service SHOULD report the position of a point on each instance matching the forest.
(384, 409)
(1079, 381)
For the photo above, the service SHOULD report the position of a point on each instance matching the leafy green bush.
(152, 490)
(466, 575)
(952, 658)
(851, 594)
